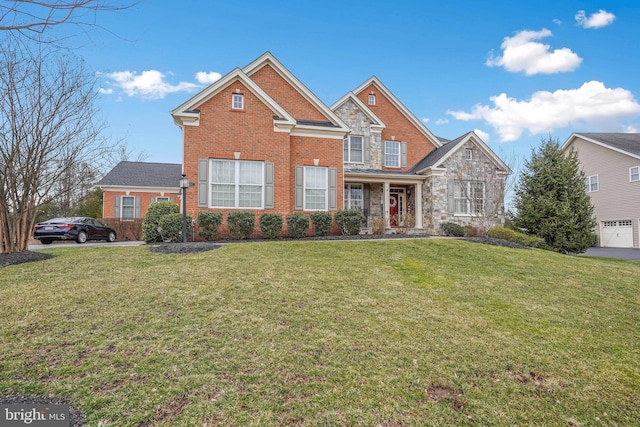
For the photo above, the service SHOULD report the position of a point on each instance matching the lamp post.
(184, 184)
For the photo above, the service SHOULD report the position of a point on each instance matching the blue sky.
(513, 71)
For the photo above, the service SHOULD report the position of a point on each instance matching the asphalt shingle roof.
(142, 174)
(629, 142)
(434, 156)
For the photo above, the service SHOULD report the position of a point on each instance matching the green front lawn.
(411, 332)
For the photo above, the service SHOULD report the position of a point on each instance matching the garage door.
(617, 234)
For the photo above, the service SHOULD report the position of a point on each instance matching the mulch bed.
(22, 257)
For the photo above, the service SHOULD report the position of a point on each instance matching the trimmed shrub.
(172, 227)
(502, 233)
(152, 218)
(209, 222)
(297, 225)
(517, 237)
(270, 225)
(321, 222)
(452, 229)
(241, 224)
(349, 221)
(378, 226)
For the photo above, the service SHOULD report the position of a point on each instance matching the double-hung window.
(237, 101)
(237, 184)
(353, 196)
(634, 174)
(392, 154)
(353, 148)
(316, 188)
(591, 183)
(128, 207)
(468, 197)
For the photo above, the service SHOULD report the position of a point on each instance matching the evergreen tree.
(551, 200)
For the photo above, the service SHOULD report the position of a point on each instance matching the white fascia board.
(382, 177)
(378, 124)
(573, 136)
(139, 189)
(400, 106)
(268, 59)
(319, 132)
(477, 141)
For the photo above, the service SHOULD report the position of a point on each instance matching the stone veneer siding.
(435, 192)
(360, 124)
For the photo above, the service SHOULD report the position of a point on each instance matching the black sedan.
(79, 229)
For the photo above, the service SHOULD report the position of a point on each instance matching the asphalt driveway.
(624, 253)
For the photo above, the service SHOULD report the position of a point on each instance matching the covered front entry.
(397, 199)
(397, 206)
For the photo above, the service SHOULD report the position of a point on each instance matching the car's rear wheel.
(82, 237)
(46, 241)
(111, 237)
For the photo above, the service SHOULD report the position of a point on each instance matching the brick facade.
(285, 124)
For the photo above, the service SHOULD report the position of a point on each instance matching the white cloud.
(426, 120)
(597, 20)
(484, 136)
(592, 103)
(442, 121)
(105, 91)
(149, 84)
(557, 21)
(632, 129)
(523, 53)
(207, 78)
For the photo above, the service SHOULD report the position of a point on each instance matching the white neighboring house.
(611, 162)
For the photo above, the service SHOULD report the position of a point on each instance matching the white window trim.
(399, 166)
(326, 188)
(162, 199)
(468, 154)
(630, 174)
(234, 97)
(236, 184)
(468, 200)
(588, 183)
(347, 196)
(348, 142)
(122, 198)
(372, 99)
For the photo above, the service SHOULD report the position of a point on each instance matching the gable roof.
(187, 113)
(376, 123)
(625, 143)
(400, 106)
(437, 157)
(267, 58)
(142, 174)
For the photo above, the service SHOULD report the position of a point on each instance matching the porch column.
(418, 207)
(385, 204)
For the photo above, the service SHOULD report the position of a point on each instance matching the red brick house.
(130, 187)
(258, 139)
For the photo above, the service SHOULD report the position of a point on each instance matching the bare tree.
(48, 130)
(35, 17)
(484, 188)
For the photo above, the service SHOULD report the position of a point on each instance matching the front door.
(394, 206)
